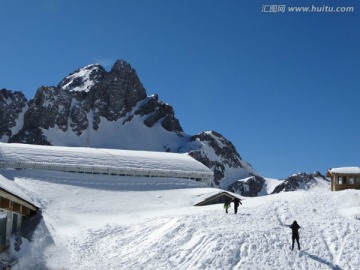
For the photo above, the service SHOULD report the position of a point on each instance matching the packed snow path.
(85, 227)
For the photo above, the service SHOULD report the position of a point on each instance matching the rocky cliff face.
(13, 104)
(95, 108)
(85, 97)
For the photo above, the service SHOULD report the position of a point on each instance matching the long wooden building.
(104, 161)
(344, 178)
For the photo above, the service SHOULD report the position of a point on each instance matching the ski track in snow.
(217, 241)
(195, 238)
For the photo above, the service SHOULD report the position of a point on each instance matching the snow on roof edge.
(349, 170)
(12, 188)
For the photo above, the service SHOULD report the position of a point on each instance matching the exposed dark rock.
(215, 145)
(300, 180)
(159, 111)
(12, 104)
(118, 92)
(222, 147)
(32, 136)
(250, 186)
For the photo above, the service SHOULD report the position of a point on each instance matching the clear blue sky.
(283, 87)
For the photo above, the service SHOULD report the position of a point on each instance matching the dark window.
(3, 222)
(15, 221)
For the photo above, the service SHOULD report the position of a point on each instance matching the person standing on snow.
(237, 202)
(295, 234)
(227, 205)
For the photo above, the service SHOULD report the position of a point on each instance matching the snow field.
(95, 227)
(213, 240)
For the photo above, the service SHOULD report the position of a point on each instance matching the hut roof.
(10, 191)
(217, 197)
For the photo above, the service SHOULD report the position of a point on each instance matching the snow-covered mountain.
(95, 108)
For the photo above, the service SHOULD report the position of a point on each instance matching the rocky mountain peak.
(88, 97)
(93, 107)
(121, 66)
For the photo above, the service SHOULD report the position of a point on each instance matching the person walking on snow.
(295, 234)
(237, 202)
(227, 205)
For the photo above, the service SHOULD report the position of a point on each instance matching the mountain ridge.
(93, 107)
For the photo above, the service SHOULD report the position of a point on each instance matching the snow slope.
(109, 222)
(270, 185)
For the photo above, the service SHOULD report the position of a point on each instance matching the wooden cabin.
(217, 198)
(344, 178)
(13, 209)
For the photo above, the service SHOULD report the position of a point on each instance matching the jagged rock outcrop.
(90, 94)
(300, 181)
(158, 110)
(95, 108)
(250, 186)
(12, 106)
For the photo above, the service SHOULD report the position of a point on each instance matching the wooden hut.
(13, 209)
(219, 197)
(344, 178)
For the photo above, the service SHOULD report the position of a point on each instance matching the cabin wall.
(345, 181)
(12, 210)
(10, 224)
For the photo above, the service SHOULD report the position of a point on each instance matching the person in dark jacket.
(237, 202)
(295, 234)
(227, 205)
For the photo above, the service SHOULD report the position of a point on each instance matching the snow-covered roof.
(345, 170)
(13, 189)
(101, 157)
(215, 197)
